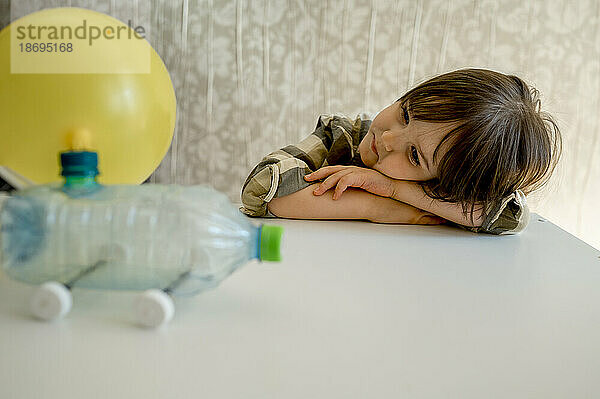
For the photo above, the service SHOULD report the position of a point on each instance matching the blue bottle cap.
(79, 163)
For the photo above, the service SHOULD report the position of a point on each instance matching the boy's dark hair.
(502, 141)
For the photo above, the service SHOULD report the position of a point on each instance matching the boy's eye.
(406, 116)
(414, 154)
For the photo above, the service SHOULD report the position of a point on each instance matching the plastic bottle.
(169, 239)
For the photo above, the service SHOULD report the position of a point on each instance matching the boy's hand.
(343, 177)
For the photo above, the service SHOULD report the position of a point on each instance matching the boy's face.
(403, 150)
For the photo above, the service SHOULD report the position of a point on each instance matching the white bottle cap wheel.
(51, 300)
(154, 308)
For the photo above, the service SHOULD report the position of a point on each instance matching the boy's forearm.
(303, 204)
(354, 204)
(411, 193)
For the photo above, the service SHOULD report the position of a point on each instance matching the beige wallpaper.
(253, 75)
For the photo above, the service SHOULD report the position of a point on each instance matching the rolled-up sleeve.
(509, 216)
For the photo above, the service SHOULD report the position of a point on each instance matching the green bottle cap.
(270, 240)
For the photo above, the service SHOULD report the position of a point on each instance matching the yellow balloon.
(117, 91)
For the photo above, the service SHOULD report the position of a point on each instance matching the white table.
(355, 310)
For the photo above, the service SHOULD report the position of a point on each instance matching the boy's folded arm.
(354, 204)
(282, 172)
(411, 193)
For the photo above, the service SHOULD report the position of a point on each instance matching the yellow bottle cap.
(79, 139)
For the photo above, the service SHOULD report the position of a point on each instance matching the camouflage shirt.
(335, 142)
